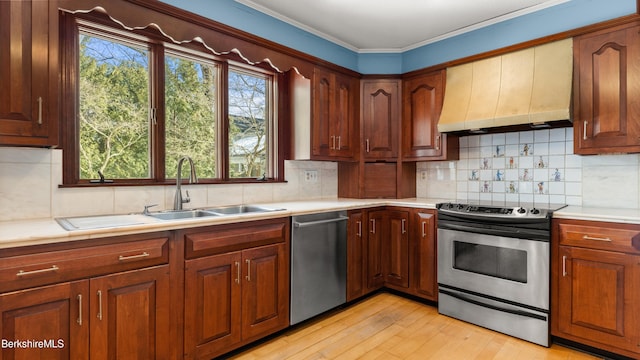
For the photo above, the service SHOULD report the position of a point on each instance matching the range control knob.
(522, 210)
(460, 206)
(535, 211)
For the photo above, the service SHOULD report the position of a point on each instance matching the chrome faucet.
(193, 178)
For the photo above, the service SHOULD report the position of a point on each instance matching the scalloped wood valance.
(179, 26)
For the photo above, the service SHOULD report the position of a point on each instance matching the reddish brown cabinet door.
(381, 119)
(607, 88)
(334, 127)
(265, 291)
(396, 248)
(599, 298)
(212, 305)
(29, 73)
(375, 244)
(129, 315)
(356, 264)
(423, 266)
(56, 314)
(422, 104)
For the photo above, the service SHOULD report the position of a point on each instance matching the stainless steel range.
(493, 267)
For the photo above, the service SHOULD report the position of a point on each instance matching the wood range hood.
(527, 89)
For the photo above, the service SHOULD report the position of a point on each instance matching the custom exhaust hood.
(527, 88)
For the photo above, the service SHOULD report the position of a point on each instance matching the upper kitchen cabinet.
(29, 73)
(606, 91)
(380, 118)
(335, 112)
(421, 107)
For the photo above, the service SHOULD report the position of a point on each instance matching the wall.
(559, 18)
(487, 172)
(29, 180)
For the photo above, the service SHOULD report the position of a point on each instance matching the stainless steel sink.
(240, 209)
(182, 214)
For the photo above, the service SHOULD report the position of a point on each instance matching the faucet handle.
(187, 198)
(146, 208)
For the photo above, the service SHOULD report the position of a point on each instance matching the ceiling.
(393, 26)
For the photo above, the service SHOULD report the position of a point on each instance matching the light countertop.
(43, 231)
(628, 216)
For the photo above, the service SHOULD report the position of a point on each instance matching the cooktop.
(500, 210)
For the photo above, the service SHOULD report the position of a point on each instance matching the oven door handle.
(493, 307)
(512, 233)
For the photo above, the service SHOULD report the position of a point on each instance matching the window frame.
(71, 25)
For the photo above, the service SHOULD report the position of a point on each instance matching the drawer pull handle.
(32, 272)
(564, 265)
(79, 321)
(587, 237)
(132, 257)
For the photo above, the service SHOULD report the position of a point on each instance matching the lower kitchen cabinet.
(391, 247)
(423, 255)
(356, 255)
(387, 248)
(395, 251)
(51, 313)
(129, 315)
(374, 269)
(596, 285)
(240, 292)
(118, 315)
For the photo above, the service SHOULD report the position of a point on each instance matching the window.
(191, 114)
(250, 124)
(113, 111)
(139, 104)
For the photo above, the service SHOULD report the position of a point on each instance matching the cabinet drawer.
(232, 237)
(605, 236)
(24, 271)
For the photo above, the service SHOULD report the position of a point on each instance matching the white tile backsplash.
(534, 166)
(30, 179)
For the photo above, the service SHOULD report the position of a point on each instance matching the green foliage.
(114, 93)
(115, 126)
(190, 115)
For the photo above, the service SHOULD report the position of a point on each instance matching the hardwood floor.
(389, 327)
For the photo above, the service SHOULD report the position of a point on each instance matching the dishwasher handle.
(319, 222)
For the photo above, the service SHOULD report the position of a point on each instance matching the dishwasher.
(318, 264)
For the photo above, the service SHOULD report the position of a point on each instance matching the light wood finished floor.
(389, 327)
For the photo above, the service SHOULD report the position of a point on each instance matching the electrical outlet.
(423, 175)
(311, 176)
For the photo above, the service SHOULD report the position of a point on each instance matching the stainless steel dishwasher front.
(318, 264)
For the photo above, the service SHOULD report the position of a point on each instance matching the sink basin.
(240, 209)
(182, 214)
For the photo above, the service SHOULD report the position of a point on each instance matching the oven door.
(511, 269)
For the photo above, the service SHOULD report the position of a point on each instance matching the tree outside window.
(123, 135)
